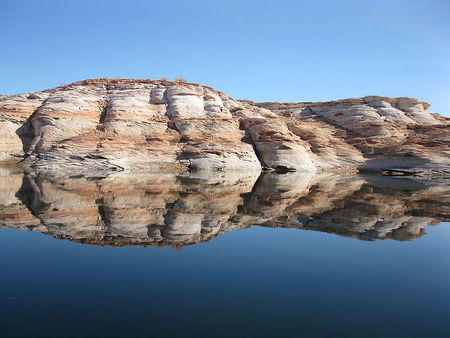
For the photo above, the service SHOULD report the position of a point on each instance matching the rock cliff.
(118, 124)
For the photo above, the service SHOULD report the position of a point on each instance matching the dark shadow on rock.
(26, 133)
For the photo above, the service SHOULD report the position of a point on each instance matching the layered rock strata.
(165, 209)
(116, 125)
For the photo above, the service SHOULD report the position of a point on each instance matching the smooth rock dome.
(123, 124)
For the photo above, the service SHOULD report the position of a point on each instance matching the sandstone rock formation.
(116, 125)
(165, 209)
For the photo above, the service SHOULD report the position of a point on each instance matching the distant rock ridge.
(122, 124)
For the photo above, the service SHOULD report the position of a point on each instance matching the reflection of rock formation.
(164, 209)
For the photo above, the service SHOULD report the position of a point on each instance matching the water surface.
(224, 256)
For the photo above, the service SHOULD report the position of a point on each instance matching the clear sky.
(277, 50)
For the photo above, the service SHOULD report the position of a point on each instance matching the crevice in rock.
(171, 123)
(182, 156)
(103, 108)
(248, 138)
(26, 132)
(282, 169)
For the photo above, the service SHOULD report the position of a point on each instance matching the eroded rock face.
(375, 133)
(16, 114)
(166, 209)
(116, 125)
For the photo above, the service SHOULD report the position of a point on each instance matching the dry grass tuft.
(180, 79)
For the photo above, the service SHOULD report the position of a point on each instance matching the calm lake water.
(224, 256)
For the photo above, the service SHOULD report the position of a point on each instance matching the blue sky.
(260, 50)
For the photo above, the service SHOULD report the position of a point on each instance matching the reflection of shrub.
(180, 79)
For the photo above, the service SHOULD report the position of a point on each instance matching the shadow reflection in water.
(165, 209)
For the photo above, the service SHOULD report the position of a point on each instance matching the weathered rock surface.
(395, 135)
(165, 209)
(115, 125)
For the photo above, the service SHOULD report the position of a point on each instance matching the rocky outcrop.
(393, 135)
(166, 209)
(116, 125)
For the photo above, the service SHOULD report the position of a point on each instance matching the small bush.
(180, 79)
(164, 79)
